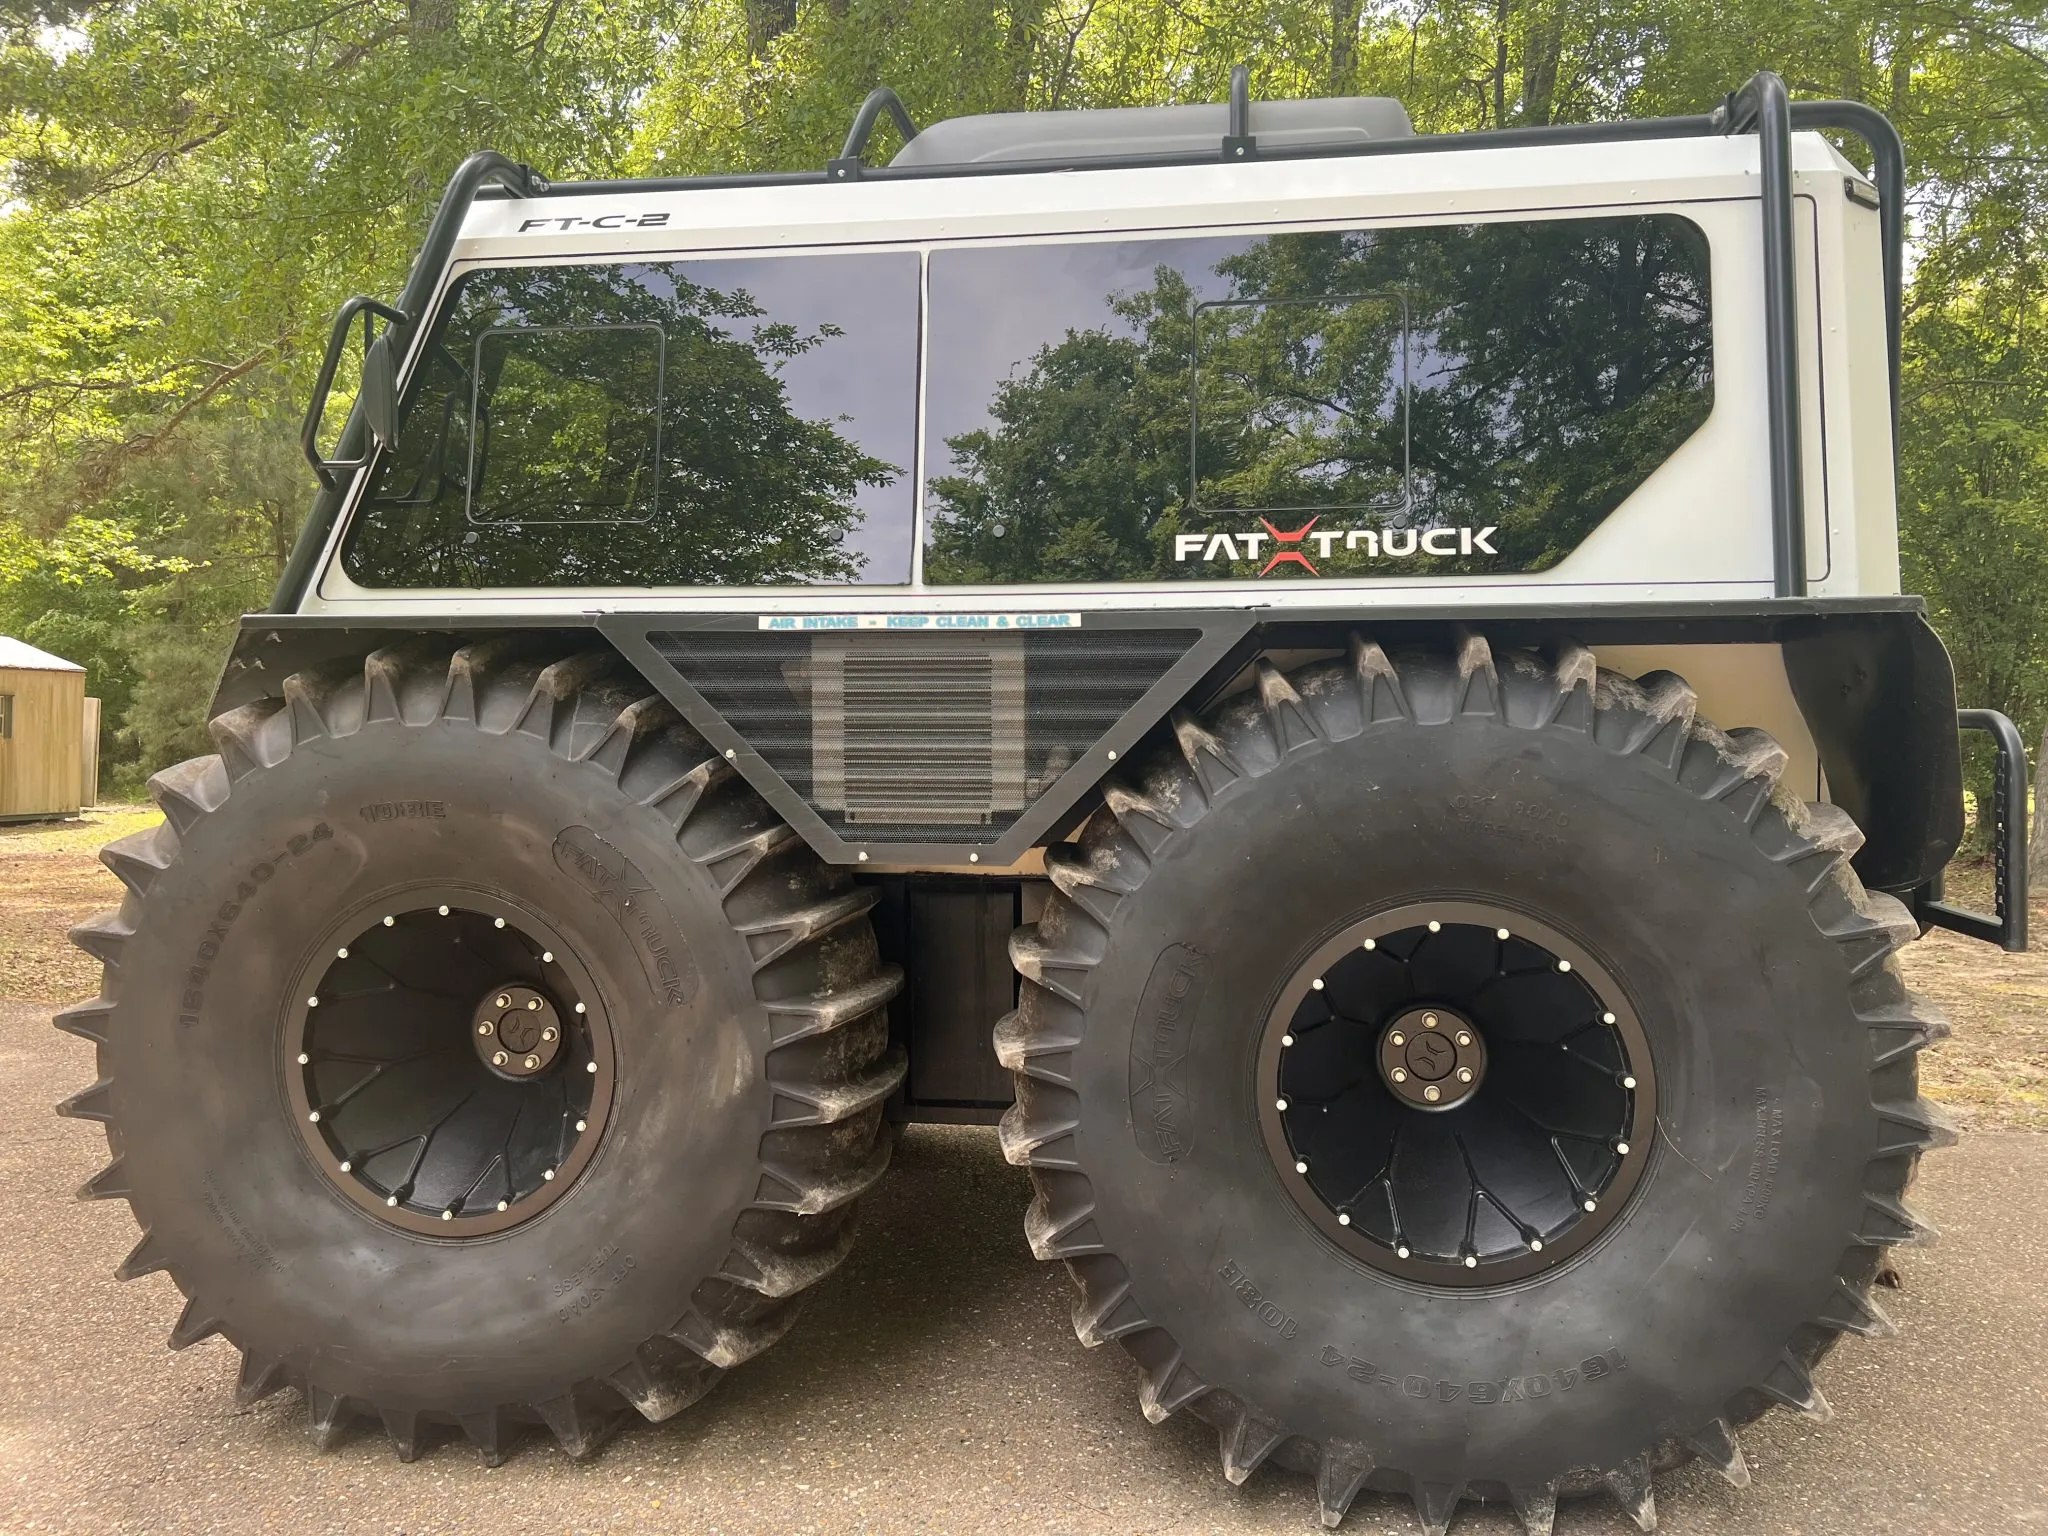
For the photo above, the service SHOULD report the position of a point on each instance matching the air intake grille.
(943, 738)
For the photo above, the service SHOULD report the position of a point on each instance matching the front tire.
(355, 1149)
(1739, 1161)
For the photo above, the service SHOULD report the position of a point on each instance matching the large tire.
(1788, 1122)
(743, 999)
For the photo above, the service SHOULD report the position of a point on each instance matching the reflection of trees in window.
(1548, 368)
(745, 491)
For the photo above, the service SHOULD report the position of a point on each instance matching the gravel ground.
(934, 1385)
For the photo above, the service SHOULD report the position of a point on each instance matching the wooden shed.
(43, 751)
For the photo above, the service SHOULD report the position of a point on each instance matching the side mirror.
(379, 395)
(378, 399)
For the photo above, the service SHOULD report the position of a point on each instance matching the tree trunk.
(1343, 45)
(766, 21)
(2037, 832)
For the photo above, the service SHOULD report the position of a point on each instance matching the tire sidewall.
(264, 1238)
(1729, 1243)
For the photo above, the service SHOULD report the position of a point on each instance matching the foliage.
(193, 185)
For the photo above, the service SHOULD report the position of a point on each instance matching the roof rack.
(1762, 106)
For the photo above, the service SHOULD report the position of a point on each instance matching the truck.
(1348, 689)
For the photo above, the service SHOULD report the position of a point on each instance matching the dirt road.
(935, 1385)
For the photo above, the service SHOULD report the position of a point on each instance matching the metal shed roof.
(23, 657)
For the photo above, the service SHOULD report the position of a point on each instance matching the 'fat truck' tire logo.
(1378, 544)
(1161, 1115)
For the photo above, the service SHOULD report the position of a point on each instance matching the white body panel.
(1697, 530)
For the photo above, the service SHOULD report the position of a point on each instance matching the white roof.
(24, 657)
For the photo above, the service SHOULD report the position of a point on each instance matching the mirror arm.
(329, 470)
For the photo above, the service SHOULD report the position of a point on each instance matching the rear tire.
(1246, 852)
(660, 1194)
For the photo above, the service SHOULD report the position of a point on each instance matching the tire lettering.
(1511, 1389)
(193, 998)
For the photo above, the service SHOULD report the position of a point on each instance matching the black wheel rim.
(1456, 1093)
(448, 1062)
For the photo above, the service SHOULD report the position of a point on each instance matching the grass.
(1993, 1072)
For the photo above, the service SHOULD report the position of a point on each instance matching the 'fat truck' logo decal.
(601, 221)
(1378, 544)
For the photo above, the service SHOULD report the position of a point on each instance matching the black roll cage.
(1762, 106)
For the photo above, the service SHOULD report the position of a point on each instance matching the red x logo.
(1290, 556)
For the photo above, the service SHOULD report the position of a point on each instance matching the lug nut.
(532, 1062)
(504, 1000)
(533, 1005)
(1429, 1021)
(1463, 1038)
(1397, 1038)
(486, 1027)
(1400, 1076)
(548, 1033)
(1432, 1093)
(499, 1058)
(1464, 1074)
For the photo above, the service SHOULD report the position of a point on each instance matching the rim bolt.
(1370, 944)
(1621, 1148)
(498, 922)
(1463, 1038)
(447, 1215)
(1281, 1105)
(304, 1059)
(1471, 1261)
(582, 1125)
(579, 1008)
(499, 1058)
(1627, 1081)
(1399, 1075)
(547, 957)
(504, 1205)
(549, 1174)
(389, 921)
(1435, 926)
(341, 953)
(391, 1199)
(1401, 1252)
(1343, 1218)
(444, 911)
(590, 1066)
(314, 1117)
(1432, 1093)
(486, 1027)
(1535, 1245)
(312, 1002)
(548, 1033)
(1300, 1166)
(1606, 1018)
(346, 1165)
(1317, 984)
(1287, 1039)
(1500, 933)
(1564, 965)
(1592, 1205)
(532, 1062)
(1397, 1038)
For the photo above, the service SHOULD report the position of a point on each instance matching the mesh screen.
(944, 738)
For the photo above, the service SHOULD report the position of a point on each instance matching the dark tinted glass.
(1462, 398)
(733, 422)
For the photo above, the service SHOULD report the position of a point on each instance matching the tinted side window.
(1463, 398)
(747, 421)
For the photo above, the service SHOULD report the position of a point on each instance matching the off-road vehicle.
(1192, 633)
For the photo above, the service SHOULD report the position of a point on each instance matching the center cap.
(517, 1031)
(1431, 1058)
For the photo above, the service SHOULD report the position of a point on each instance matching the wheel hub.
(1456, 1093)
(1432, 1058)
(447, 1063)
